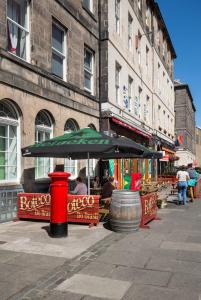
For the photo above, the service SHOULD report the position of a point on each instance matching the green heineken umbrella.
(84, 144)
(81, 144)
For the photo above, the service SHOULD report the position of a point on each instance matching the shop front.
(166, 163)
(121, 169)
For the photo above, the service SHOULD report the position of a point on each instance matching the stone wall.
(185, 117)
(31, 86)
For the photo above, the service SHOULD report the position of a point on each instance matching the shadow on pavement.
(47, 229)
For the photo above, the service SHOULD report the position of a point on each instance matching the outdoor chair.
(104, 209)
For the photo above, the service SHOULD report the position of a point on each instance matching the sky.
(183, 21)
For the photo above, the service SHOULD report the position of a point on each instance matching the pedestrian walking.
(182, 177)
(192, 181)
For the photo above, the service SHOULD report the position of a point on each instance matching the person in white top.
(81, 188)
(183, 177)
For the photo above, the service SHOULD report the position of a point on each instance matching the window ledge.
(88, 91)
(89, 12)
(44, 73)
(4, 183)
(43, 180)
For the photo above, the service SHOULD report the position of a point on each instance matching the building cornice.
(162, 22)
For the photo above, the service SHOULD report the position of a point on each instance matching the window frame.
(44, 129)
(139, 97)
(75, 161)
(62, 55)
(117, 82)
(27, 31)
(139, 5)
(6, 121)
(146, 106)
(130, 91)
(90, 72)
(90, 8)
(117, 16)
(92, 167)
(130, 32)
(147, 56)
(15, 121)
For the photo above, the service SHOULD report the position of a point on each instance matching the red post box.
(58, 212)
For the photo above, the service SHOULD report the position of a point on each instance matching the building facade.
(198, 146)
(184, 124)
(49, 68)
(137, 90)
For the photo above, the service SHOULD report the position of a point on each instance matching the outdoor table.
(95, 191)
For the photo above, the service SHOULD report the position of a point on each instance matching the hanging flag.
(179, 141)
(111, 167)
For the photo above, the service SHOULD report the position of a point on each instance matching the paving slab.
(34, 239)
(124, 258)
(189, 256)
(172, 265)
(152, 277)
(98, 269)
(93, 286)
(30, 261)
(8, 290)
(58, 295)
(183, 280)
(148, 292)
(181, 246)
(6, 255)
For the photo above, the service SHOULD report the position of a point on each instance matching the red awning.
(165, 158)
(123, 124)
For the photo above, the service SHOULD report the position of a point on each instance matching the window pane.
(87, 80)
(57, 38)
(57, 65)
(12, 158)
(12, 145)
(46, 166)
(87, 4)
(42, 164)
(2, 144)
(2, 131)
(88, 60)
(2, 158)
(70, 166)
(39, 168)
(43, 119)
(16, 40)
(12, 172)
(13, 132)
(47, 135)
(2, 173)
(17, 11)
(40, 136)
(71, 125)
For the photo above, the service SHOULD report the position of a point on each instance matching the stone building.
(198, 146)
(49, 66)
(184, 124)
(137, 90)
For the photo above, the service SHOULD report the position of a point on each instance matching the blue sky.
(183, 21)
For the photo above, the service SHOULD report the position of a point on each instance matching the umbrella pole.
(88, 173)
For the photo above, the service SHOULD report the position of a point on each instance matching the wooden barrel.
(125, 211)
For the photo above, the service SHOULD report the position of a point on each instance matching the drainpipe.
(99, 49)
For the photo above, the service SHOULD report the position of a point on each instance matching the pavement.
(160, 263)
